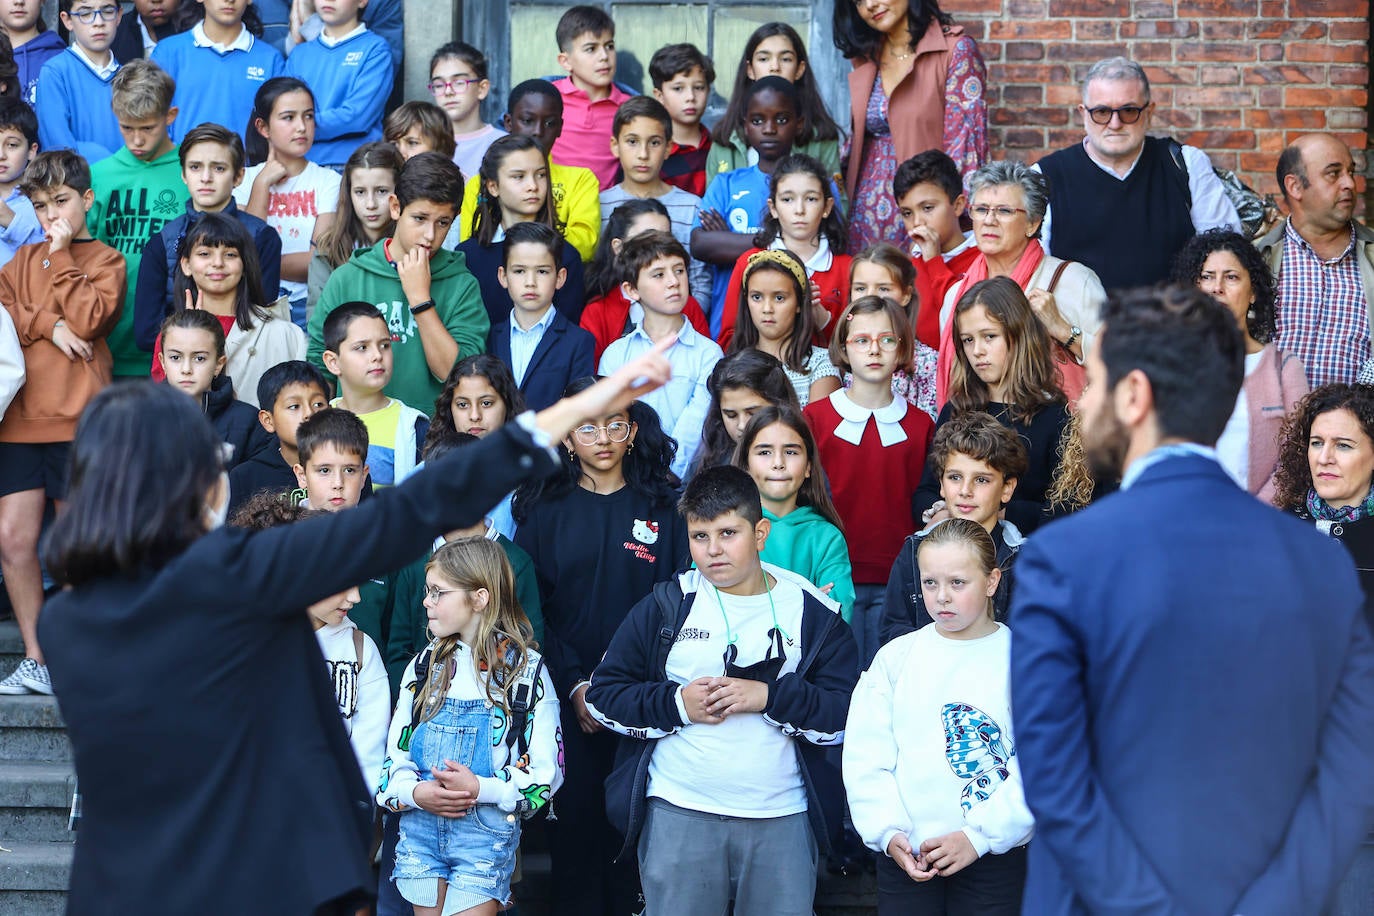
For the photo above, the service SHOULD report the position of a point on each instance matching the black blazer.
(565, 352)
(215, 772)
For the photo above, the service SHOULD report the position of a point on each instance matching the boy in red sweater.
(930, 199)
(65, 295)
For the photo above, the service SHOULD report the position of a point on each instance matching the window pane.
(643, 28)
(734, 25)
(533, 48)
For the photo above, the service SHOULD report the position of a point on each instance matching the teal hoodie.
(368, 276)
(804, 542)
(133, 199)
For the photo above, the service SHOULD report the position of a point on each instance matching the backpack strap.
(358, 647)
(520, 708)
(1176, 154)
(670, 599)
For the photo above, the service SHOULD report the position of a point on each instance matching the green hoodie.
(133, 199)
(804, 542)
(368, 276)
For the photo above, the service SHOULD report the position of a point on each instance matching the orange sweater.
(84, 286)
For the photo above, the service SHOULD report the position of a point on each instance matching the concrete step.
(31, 728)
(34, 877)
(11, 647)
(35, 801)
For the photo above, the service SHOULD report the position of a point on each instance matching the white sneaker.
(35, 676)
(14, 684)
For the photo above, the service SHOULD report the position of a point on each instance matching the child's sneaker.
(15, 683)
(35, 677)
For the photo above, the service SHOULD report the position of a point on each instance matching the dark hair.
(874, 305)
(815, 490)
(638, 253)
(464, 52)
(642, 106)
(1290, 163)
(1032, 381)
(345, 234)
(934, 166)
(450, 441)
(718, 491)
(269, 509)
(582, 20)
(10, 87)
(817, 124)
(195, 320)
(430, 177)
(53, 169)
(189, 13)
(263, 102)
(482, 365)
(487, 218)
(337, 322)
(1293, 478)
(332, 426)
(430, 118)
(750, 369)
(291, 372)
(603, 271)
(137, 495)
(221, 230)
(534, 87)
(209, 132)
(647, 466)
(981, 437)
(532, 233)
(1189, 347)
(856, 38)
(670, 60)
(798, 349)
(15, 114)
(1260, 319)
(832, 225)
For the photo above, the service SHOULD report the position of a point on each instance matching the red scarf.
(977, 272)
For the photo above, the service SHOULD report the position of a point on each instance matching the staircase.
(36, 782)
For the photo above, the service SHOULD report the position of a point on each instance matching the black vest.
(1127, 231)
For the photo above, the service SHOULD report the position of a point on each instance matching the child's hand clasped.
(945, 855)
(451, 793)
(710, 700)
(900, 851)
(72, 346)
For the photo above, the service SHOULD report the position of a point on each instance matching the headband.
(783, 259)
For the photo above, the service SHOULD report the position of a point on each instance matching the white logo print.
(257, 74)
(353, 58)
(646, 532)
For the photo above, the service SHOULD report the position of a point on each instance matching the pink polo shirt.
(586, 137)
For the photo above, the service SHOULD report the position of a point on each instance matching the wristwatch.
(422, 307)
(1075, 332)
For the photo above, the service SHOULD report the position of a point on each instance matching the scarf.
(977, 272)
(1319, 510)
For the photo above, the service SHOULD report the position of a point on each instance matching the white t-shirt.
(363, 692)
(292, 207)
(1233, 447)
(744, 766)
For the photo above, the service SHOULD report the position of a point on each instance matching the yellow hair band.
(784, 259)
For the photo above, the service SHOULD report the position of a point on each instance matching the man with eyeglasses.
(1123, 203)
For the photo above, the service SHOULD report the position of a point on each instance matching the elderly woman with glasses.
(1008, 206)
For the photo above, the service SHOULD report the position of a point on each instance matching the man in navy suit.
(1192, 675)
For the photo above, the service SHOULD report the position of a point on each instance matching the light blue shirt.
(682, 404)
(523, 343)
(23, 228)
(1164, 453)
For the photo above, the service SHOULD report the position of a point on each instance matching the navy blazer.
(565, 352)
(1193, 680)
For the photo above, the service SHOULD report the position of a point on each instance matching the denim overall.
(474, 853)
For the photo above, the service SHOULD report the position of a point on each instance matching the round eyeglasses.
(617, 431)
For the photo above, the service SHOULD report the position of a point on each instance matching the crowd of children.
(672, 627)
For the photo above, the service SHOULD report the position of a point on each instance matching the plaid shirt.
(1322, 318)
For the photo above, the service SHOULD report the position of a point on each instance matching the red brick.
(1214, 51)
(1031, 73)
(1114, 9)
(1000, 28)
(1066, 94)
(1220, 118)
(1350, 31)
(1347, 118)
(1176, 118)
(1023, 95)
(1331, 53)
(1328, 9)
(1217, 9)
(1288, 31)
(1094, 30)
(1223, 139)
(1259, 163)
(1172, 75)
(1276, 76)
(1223, 29)
(1159, 28)
(1208, 97)
(961, 8)
(1024, 50)
(1027, 9)
(1012, 117)
(1057, 139)
(1023, 138)
(992, 50)
(1089, 52)
(1270, 96)
(1349, 76)
(1286, 118)
(1270, 52)
(1143, 51)
(1273, 9)
(1325, 98)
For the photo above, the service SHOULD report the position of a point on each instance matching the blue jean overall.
(474, 853)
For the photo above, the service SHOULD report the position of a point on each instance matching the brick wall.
(1237, 78)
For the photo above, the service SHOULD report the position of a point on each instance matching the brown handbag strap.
(1054, 278)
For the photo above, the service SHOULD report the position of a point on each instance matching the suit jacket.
(564, 353)
(206, 733)
(1193, 680)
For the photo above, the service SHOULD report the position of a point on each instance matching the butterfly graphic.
(977, 750)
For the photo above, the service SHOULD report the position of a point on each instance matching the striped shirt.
(1322, 316)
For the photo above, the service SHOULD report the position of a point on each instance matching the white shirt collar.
(104, 72)
(853, 420)
(499, 235)
(960, 248)
(148, 38)
(334, 42)
(539, 326)
(1107, 168)
(244, 41)
(820, 261)
(490, 534)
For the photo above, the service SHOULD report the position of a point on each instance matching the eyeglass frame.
(1096, 111)
(1000, 213)
(458, 85)
(434, 593)
(594, 430)
(880, 338)
(108, 13)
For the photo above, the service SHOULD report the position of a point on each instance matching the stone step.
(11, 647)
(31, 728)
(35, 801)
(36, 868)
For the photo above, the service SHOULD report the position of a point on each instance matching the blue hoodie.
(30, 58)
(73, 109)
(351, 82)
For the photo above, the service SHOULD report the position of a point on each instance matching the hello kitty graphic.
(645, 532)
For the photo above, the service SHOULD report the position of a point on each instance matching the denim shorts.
(474, 854)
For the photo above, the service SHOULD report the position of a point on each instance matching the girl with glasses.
(458, 82)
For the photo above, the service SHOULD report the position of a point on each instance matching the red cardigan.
(933, 280)
(834, 285)
(606, 319)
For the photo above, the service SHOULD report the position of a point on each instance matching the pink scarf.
(977, 272)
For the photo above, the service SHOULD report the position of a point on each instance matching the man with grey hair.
(1121, 202)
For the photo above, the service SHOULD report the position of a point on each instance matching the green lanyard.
(730, 636)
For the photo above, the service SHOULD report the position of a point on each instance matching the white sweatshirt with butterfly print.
(929, 745)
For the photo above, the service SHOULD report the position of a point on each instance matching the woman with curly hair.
(1224, 265)
(1326, 471)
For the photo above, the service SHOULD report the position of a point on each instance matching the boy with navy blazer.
(544, 350)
